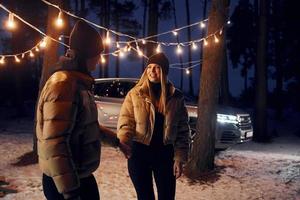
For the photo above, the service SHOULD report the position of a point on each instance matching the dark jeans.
(146, 160)
(88, 189)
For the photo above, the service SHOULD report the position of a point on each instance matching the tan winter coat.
(67, 129)
(137, 118)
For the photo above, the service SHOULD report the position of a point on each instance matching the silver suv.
(232, 125)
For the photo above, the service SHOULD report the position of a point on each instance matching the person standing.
(153, 121)
(67, 127)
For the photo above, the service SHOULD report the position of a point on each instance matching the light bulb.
(202, 25)
(2, 61)
(205, 42)
(175, 33)
(17, 59)
(158, 48)
(10, 24)
(179, 49)
(187, 71)
(43, 43)
(107, 39)
(103, 59)
(194, 46)
(143, 41)
(59, 22)
(216, 39)
(31, 54)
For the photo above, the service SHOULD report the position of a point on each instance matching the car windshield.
(115, 88)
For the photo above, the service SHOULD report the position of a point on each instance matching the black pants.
(88, 189)
(146, 160)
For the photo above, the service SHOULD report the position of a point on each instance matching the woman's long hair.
(159, 101)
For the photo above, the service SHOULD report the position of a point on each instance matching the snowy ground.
(246, 171)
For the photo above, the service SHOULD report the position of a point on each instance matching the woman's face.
(92, 62)
(153, 73)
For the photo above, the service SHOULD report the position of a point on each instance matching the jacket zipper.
(152, 109)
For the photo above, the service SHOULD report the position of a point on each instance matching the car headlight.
(227, 118)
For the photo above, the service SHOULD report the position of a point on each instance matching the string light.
(187, 71)
(194, 46)
(202, 24)
(23, 55)
(37, 49)
(2, 61)
(107, 39)
(121, 54)
(175, 33)
(143, 41)
(140, 53)
(31, 54)
(216, 39)
(103, 59)
(43, 43)
(228, 22)
(221, 31)
(179, 49)
(59, 21)
(11, 22)
(205, 42)
(118, 45)
(17, 59)
(158, 48)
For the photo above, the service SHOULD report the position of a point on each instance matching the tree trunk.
(260, 112)
(225, 94)
(177, 39)
(202, 155)
(50, 56)
(152, 25)
(188, 21)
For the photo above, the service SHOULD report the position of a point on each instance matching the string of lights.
(132, 44)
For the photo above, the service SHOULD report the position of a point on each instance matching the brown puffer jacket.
(137, 118)
(67, 129)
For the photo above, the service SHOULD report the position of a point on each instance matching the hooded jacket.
(137, 118)
(67, 128)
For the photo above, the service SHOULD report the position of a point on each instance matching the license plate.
(249, 134)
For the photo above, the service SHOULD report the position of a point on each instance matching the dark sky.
(133, 68)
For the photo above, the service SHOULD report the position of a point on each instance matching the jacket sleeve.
(126, 122)
(59, 116)
(181, 147)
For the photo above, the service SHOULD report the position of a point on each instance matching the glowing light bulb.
(158, 48)
(59, 21)
(107, 39)
(2, 61)
(103, 59)
(17, 59)
(216, 39)
(228, 22)
(121, 54)
(10, 24)
(175, 33)
(60, 38)
(140, 53)
(187, 71)
(43, 43)
(31, 54)
(202, 25)
(221, 31)
(23, 55)
(179, 49)
(143, 41)
(194, 46)
(118, 45)
(37, 49)
(205, 42)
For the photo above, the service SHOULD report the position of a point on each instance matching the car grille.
(229, 137)
(244, 121)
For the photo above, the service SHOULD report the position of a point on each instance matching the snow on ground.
(243, 172)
